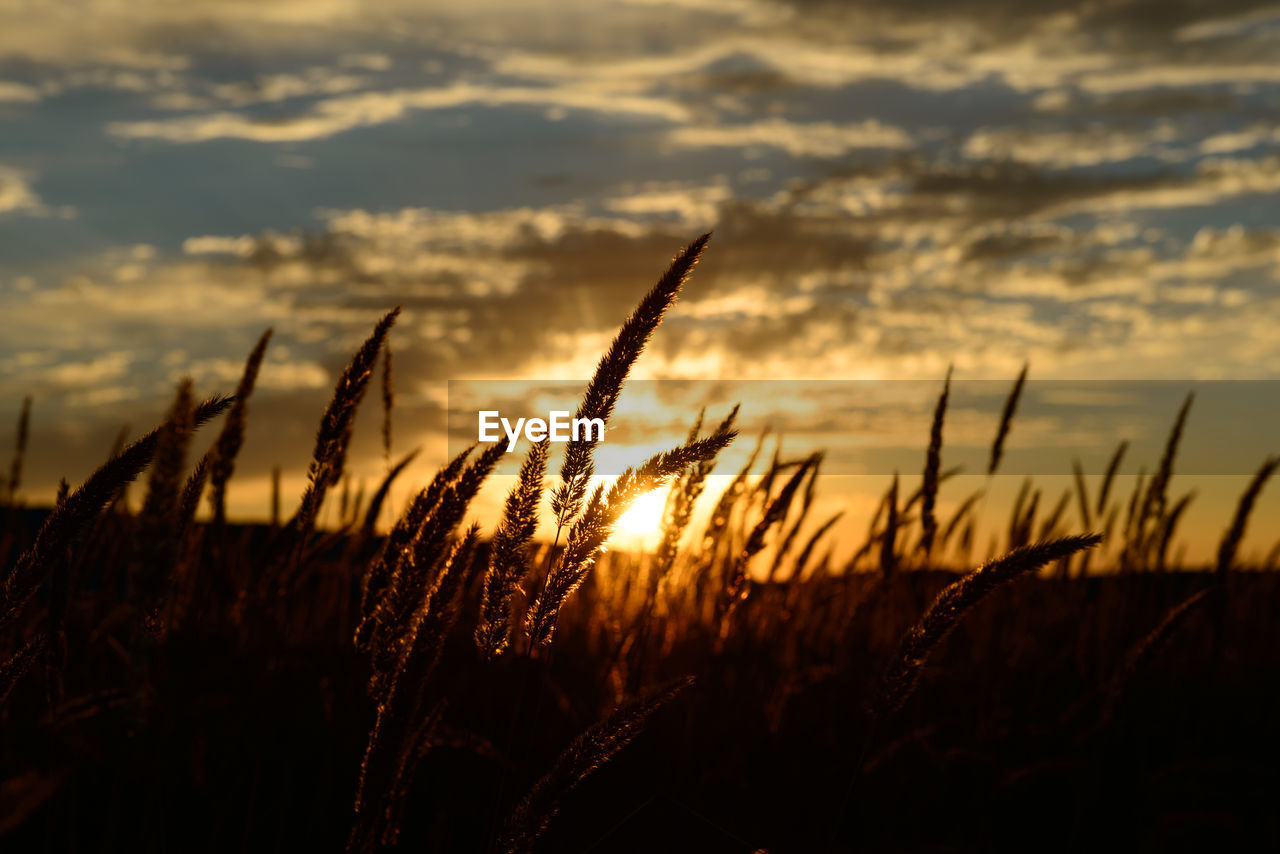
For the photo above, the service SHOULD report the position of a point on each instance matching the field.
(174, 683)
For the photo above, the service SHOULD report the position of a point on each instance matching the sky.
(893, 189)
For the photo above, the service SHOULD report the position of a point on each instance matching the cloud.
(808, 62)
(211, 244)
(693, 207)
(18, 197)
(109, 366)
(366, 61)
(801, 281)
(18, 92)
(914, 197)
(336, 115)
(1215, 180)
(1073, 148)
(277, 375)
(278, 87)
(16, 194)
(811, 139)
(1241, 140)
(1179, 76)
(787, 291)
(970, 182)
(1105, 48)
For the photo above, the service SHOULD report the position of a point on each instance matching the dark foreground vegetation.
(174, 685)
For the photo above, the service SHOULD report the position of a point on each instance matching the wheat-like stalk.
(157, 521)
(275, 498)
(388, 400)
(230, 439)
(953, 603)
(1231, 540)
(1050, 524)
(889, 539)
(393, 613)
(1006, 420)
(588, 752)
(192, 490)
(764, 488)
(182, 584)
(933, 462)
(508, 553)
(1168, 527)
(17, 665)
(19, 450)
(589, 533)
(1082, 494)
(66, 523)
(1158, 489)
(961, 513)
(602, 391)
(395, 547)
(344, 500)
(723, 510)
(374, 510)
(423, 641)
(914, 499)
(386, 769)
(1113, 468)
(802, 559)
(1024, 526)
(736, 586)
(1145, 650)
(679, 511)
(335, 427)
(1153, 503)
(1131, 518)
(806, 504)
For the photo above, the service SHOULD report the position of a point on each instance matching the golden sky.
(894, 188)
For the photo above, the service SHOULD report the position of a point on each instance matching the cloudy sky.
(893, 187)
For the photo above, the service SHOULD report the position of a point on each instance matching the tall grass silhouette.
(455, 685)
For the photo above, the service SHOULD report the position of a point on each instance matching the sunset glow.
(644, 519)
(534, 426)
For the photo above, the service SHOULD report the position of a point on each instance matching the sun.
(644, 518)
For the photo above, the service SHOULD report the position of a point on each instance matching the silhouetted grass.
(172, 685)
